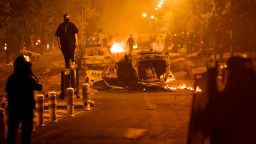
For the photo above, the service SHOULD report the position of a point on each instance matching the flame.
(181, 87)
(170, 88)
(117, 48)
(198, 89)
(184, 86)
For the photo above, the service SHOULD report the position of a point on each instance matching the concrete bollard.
(70, 101)
(86, 96)
(86, 91)
(52, 104)
(40, 109)
(2, 126)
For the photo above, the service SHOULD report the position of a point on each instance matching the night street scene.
(127, 72)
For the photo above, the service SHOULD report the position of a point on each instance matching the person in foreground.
(20, 88)
(230, 115)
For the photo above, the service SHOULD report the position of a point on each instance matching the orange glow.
(170, 88)
(181, 87)
(198, 90)
(117, 48)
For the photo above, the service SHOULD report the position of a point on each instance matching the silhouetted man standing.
(67, 39)
(20, 88)
(131, 43)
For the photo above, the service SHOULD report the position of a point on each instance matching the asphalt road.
(121, 117)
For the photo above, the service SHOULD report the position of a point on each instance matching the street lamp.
(5, 47)
(6, 53)
(144, 14)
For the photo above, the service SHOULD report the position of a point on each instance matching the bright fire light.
(135, 46)
(117, 48)
(198, 89)
(181, 87)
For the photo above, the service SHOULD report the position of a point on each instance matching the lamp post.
(6, 53)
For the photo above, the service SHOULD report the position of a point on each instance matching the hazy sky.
(123, 16)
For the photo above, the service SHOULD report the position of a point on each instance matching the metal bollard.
(40, 109)
(86, 96)
(70, 101)
(52, 104)
(2, 126)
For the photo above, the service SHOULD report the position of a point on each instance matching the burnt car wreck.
(143, 70)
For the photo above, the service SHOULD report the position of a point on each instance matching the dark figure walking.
(67, 39)
(230, 115)
(20, 88)
(131, 43)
